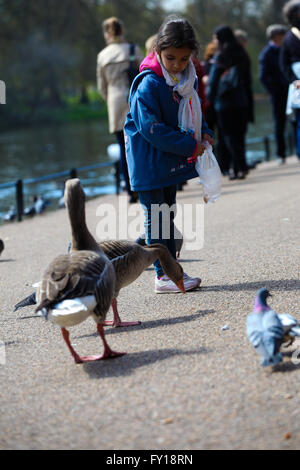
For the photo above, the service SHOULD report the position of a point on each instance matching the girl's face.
(175, 59)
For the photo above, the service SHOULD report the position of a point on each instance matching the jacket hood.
(151, 63)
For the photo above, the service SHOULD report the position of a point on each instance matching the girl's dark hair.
(113, 26)
(291, 12)
(177, 33)
(231, 52)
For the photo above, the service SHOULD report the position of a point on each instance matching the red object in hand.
(192, 159)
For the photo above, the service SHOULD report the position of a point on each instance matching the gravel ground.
(185, 383)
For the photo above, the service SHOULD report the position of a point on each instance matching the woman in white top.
(113, 83)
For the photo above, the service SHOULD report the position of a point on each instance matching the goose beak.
(180, 286)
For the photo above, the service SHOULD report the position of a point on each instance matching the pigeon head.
(263, 294)
(261, 300)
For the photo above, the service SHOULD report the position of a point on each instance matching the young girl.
(158, 145)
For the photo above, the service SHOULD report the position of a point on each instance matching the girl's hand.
(198, 152)
(209, 139)
(297, 84)
(199, 149)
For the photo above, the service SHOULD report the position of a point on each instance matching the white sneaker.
(164, 285)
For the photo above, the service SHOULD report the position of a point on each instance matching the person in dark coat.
(230, 91)
(275, 83)
(290, 53)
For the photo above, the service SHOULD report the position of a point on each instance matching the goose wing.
(77, 275)
(115, 248)
(129, 260)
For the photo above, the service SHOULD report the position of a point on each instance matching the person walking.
(230, 91)
(113, 83)
(275, 83)
(158, 143)
(208, 60)
(242, 37)
(289, 58)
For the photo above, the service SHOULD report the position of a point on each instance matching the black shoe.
(251, 166)
(133, 198)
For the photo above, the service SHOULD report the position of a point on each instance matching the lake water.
(31, 153)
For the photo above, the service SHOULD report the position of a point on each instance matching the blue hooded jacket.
(156, 149)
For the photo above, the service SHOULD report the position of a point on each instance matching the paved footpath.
(185, 383)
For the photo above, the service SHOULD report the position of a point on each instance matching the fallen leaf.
(168, 421)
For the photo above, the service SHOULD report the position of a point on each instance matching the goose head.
(74, 198)
(170, 266)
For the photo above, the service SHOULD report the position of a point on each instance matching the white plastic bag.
(210, 174)
(293, 101)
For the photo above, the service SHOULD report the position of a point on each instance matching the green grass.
(77, 113)
(72, 111)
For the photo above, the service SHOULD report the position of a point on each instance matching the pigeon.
(1, 246)
(10, 215)
(39, 205)
(265, 330)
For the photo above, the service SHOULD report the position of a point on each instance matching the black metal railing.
(267, 139)
(72, 173)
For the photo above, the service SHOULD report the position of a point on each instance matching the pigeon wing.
(272, 332)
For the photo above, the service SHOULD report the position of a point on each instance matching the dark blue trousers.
(159, 225)
(279, 116)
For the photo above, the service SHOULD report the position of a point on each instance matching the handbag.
(229, 80)
(293, 99)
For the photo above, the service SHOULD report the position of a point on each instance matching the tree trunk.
(277, 10)
(84, 99)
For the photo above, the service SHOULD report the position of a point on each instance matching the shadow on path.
(286, 367)
(127, 364)
(283, 284)
(153, 324)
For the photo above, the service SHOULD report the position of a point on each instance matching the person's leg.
(159, 228)
(170, 198)
(278, 107)
(234, 122)
(157, 223)
(223, 153)
(298, 132)
(123, 164)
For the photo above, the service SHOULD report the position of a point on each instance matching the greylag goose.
(178, 241)
(74, 287)
(128, 258)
